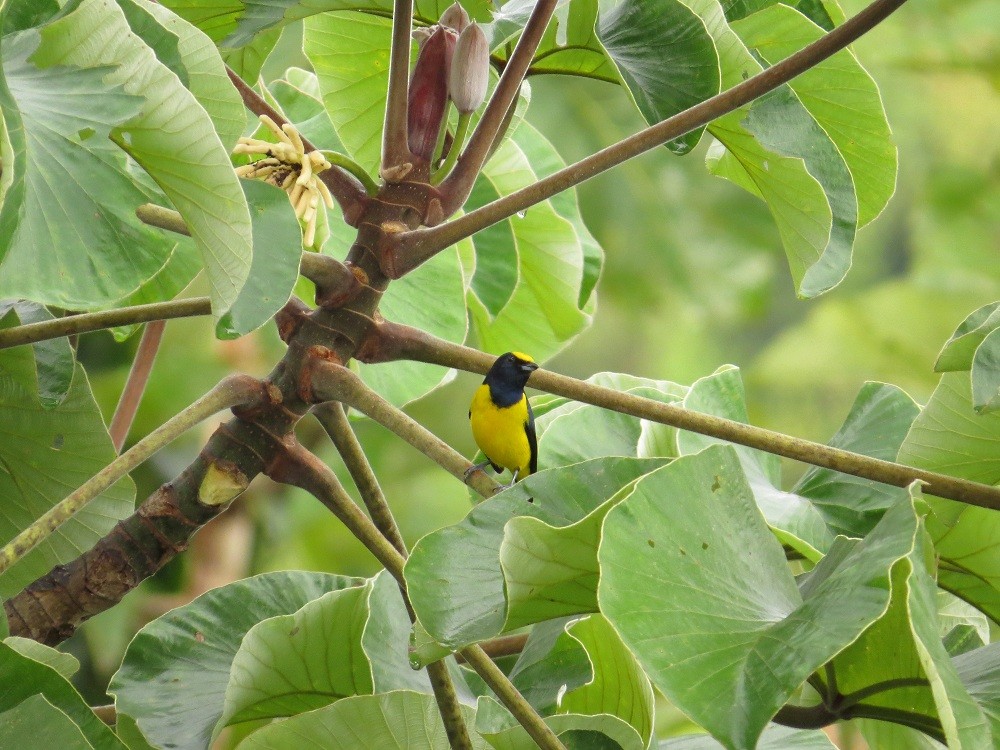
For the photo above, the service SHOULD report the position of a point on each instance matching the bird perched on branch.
(502, 422)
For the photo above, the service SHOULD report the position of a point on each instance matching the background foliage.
(683, 289)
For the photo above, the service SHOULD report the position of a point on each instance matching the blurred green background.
(694, 277)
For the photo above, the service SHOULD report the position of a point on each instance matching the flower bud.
(429, 92)
(455, 18)
(470, 70)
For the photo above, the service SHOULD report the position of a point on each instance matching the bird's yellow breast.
(500, 432)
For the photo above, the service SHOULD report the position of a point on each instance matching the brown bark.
(50, 609)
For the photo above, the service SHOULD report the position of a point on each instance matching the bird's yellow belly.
(499, 432)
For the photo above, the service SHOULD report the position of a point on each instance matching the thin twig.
(97, 321)
(349, 193)
(417, 246)
(456, 187)
(332, 382)
(539, 731)
(395, 148)
(135, 384)
(235, 390)
(393, 341)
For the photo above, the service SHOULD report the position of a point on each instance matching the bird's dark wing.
(529, 429)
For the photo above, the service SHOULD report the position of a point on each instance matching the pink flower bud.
(470, 70)
(429, 92)
(455, 18)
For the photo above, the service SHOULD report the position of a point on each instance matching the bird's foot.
(474, 468)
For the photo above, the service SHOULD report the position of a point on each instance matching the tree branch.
(533, 724)
(332, 382)
(135, 384)
(349, 193)
(417, 246)
(389, 341)
(395, 149)
(333, 419)
(97, 321)
(456, 187)
(236, 390)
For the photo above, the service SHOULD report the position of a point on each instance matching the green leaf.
(258, 15)
(290, 664)
(400, 720)
(773, 738)
(794, 519)
(453, 575)
(50, 375)
(176, 670)
(171, 137)
(666, 58)
(21, 16)
(673, 584)
(275, 267)
(37, 723)
(350, 54)
(44, 455)
(576, 732)
(248, 59)
(986, 375)
(206, 73)
(23, 678)
(557, 260)
(65, 664)
(948, 436)
(298, 98)
(68, 234)
(960, 350)
(551, 571)
(842, 98)
(776, 150)
(876, 426)
(551, 663)
(430, 298)
(904, 644)
(570, 45)
(979, 671)
(619, 686)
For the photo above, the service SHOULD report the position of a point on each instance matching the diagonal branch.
(349, 193)
(332, 382)
(390, 341)
(415, 247)
(456, 188)
(135, 384)
(333, 417)
(236, 390)
(395, 150)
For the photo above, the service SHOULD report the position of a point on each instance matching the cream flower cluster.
(287, 165)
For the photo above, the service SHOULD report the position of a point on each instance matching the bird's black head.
(508, 376)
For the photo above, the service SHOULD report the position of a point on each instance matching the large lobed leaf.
(69, 180)
(177, 668)
(676, 556)
(950, 437)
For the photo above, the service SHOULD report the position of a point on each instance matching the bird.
(503, 424)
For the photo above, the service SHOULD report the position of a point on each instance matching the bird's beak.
(528, 367)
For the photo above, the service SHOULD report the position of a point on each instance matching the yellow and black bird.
(502, 422)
